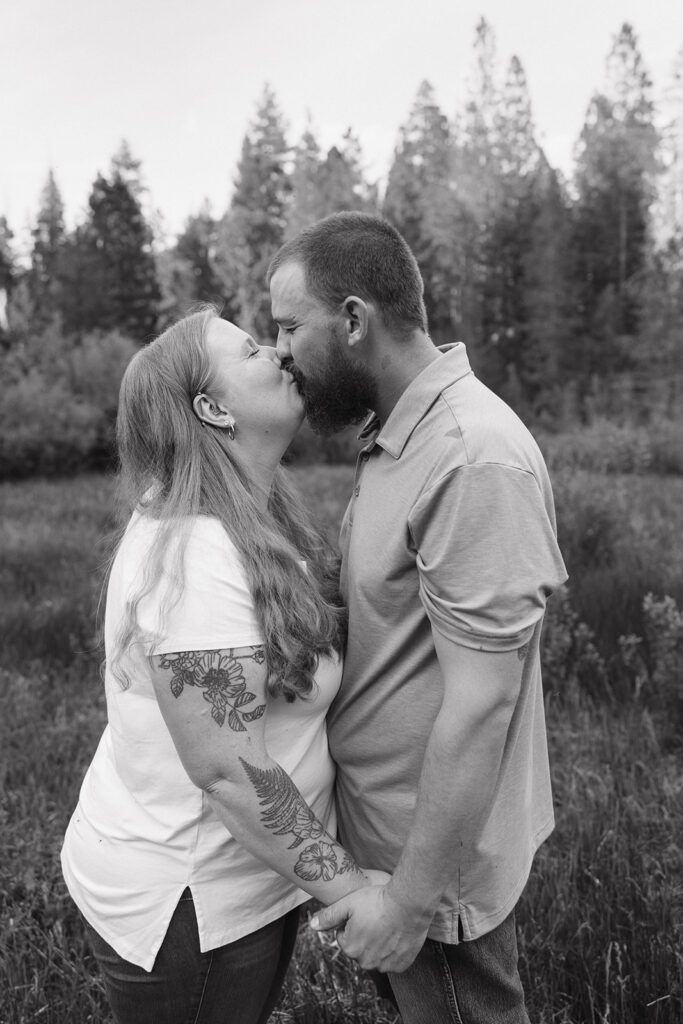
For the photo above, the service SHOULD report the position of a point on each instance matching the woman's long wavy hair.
(173, 468)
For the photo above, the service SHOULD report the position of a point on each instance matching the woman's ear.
(211, 413)
(357, 319)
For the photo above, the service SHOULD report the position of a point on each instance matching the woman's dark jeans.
(235, 984)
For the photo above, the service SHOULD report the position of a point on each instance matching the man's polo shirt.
(451, 527)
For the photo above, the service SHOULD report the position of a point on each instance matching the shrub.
(569, 651)
(45, 428)
(58, 416)
(612, 533)
(607, 447)
(664, 638)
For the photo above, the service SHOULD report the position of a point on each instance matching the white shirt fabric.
(142, 832)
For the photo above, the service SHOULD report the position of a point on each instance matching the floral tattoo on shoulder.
(219, 674)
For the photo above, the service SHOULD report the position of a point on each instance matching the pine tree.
(6, 272)
(476, 130)
(110, 262)
(49, 238)
(420, 201)
(190, 271)
(661, 335)
(668, 213)
(476, 172)
(341, 183)
(546, 359)
(517, 150)
(506, 240)
(614, 182)
(305, 206)
(321, 186)
(196, 245)
(255, 225)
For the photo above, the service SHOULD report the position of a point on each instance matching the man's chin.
(339, 398)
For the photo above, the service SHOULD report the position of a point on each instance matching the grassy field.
(600, 924)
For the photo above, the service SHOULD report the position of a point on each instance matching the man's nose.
(283, 348)
(269, 352)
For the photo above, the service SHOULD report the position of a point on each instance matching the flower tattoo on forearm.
(287, 814)
(320, 861)
(221, 677)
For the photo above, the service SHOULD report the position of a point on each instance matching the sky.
(180, 81)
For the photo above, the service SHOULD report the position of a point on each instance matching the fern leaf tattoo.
(286, 813)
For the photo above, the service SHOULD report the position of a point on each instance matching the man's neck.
(398, 366)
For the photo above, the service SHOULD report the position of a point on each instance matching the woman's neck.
(260, 475)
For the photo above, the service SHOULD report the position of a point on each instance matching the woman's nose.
(268, 352)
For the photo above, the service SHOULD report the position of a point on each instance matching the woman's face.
(249, 383)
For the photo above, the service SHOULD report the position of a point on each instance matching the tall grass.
(600, 922)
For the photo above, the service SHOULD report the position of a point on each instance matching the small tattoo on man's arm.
(523, 651)
(221, 678)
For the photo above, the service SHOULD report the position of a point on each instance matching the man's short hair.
(359, 254)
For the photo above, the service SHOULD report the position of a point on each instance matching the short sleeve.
(487, 555)
(215, 608)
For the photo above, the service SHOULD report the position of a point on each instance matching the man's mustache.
(299, 379)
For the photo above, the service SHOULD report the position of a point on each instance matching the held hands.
(374, 928)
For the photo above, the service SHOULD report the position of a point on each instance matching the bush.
(612, 533)
(45, 428)
(607, 447)
(58, 416)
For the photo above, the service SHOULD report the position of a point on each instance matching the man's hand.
(375, 929)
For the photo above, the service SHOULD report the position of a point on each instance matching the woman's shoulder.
(204, 539)
(209, 531)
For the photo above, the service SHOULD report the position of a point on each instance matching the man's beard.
(343, 391)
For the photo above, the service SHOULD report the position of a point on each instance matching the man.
(449, 554)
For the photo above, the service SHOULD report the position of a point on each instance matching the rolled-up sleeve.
(487, 555)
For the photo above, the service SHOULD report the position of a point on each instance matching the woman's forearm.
(267, 814)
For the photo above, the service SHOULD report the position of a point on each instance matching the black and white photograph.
(341, 506)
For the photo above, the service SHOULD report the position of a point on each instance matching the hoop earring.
(231, 431)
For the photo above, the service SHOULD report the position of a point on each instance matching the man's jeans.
(473, 982)
(239, 982)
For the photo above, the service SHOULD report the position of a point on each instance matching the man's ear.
(210, 412)
(357, 315)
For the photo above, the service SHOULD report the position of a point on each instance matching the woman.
(206, 817)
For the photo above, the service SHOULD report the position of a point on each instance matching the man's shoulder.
(486, 428)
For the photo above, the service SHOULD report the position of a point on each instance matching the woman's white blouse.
(141, 831)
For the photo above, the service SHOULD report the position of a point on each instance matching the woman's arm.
(214, 704)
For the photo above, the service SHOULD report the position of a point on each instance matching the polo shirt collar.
(416, 400)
